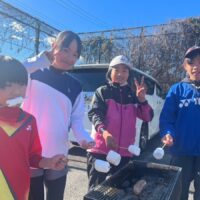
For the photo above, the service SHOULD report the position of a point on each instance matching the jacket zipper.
(120, 133)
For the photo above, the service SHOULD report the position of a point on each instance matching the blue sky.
(96, 15)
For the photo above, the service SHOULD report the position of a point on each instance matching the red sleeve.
(35, 150)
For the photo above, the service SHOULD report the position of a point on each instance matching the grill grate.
(103, 192)
(163, 183)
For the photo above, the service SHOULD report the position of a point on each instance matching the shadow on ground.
(77, 151)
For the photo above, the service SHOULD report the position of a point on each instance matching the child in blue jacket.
(180, 123)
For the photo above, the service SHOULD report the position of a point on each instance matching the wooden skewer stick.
(123, 148)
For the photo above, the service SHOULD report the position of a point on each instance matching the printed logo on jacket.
(187, 102)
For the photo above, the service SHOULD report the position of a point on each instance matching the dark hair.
(189, 60)
(65, 38)
(12, 71)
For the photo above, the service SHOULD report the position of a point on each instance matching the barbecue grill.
(163, 183)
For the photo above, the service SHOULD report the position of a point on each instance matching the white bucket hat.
(120, 60)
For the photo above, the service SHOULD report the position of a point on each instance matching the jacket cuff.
(100, 127)
(143, 103)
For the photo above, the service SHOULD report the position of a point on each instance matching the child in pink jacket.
(115, 108)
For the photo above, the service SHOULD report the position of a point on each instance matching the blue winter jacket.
(180, 117)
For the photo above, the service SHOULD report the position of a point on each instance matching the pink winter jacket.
(116, 108)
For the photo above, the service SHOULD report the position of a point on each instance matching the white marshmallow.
(134, 149)
(102, 166)
(113, 158)
(158, 153)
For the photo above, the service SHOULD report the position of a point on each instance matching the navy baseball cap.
(192, 51)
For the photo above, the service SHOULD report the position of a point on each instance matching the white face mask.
(14, 102)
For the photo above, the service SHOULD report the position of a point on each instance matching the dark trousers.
(54, 188)
(95, 177)
(190, 171)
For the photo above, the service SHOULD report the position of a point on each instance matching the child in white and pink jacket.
(115, 108)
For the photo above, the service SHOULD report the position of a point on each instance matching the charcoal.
(161, 180)
(130, 197)
(126, 184)
(121, 195)
(139, 186)
(128, 190)
(134, 180)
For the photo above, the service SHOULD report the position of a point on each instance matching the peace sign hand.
(140, 90)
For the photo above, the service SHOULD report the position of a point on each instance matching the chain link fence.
(157, 50)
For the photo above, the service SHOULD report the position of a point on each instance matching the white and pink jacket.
(116, 108)
(55, 99)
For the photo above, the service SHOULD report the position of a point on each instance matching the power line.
(88, 14)
(80, 14)
(16, 13)
(40, 14)
(21, 24)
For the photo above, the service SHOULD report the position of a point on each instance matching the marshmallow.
(113, 158)
(134, 149)
(102, 166)
(158, 153)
